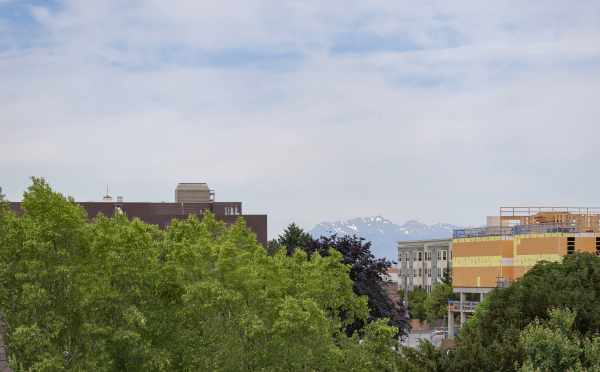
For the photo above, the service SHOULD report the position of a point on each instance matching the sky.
(307, 111)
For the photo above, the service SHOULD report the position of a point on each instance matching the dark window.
(598, 246)
(570, 245)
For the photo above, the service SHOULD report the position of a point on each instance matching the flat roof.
(447, 240)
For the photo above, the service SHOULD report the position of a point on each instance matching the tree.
(416, 304)
(114, 294)
(490, 339)
(367, 273)
(293, 238)
(553, 345)
(436, 303)
(424, 358)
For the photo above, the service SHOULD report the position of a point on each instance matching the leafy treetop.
(114, 294)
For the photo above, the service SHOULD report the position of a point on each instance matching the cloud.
(305, 110)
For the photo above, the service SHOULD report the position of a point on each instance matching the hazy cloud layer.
(306, 110)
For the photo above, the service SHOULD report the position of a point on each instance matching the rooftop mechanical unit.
(194, 193)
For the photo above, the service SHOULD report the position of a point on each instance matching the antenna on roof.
(107, 197)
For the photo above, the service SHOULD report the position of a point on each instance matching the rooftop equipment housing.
(194, 193)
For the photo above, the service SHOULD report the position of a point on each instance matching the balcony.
(465, 306)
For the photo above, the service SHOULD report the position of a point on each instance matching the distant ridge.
(383, 233)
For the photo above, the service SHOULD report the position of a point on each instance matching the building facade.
(191, 199)
(423, 263)
(501, 252)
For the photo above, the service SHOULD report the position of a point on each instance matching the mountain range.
(383, 233)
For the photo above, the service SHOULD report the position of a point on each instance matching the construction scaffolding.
(581, 219)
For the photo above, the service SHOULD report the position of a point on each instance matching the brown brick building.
(190, 199)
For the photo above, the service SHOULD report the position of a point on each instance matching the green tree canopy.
(416, 304)
(114, 294)
(554, 345)
(366, 272)
(436, 303)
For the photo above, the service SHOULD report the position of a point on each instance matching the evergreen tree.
(292, 238)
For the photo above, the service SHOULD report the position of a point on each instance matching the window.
(444, 255)
(598, 246)
(429, 272)
(570, 245)
(419, 256)
(419, 273)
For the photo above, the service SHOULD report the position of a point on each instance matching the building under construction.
(512, 242)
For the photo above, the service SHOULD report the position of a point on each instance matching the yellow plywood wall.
(585, 244)
(480, 247)
(480, 261)
(479, 257)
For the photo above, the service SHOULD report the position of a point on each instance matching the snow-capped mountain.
(383, 233)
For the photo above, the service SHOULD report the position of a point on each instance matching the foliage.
(292, 238)
(114, 294)
(553, 345)
(366, 273)
(490, 340)
(416, 304)
(436, 303)
(401, 293)
(430, 306)
(425, 358)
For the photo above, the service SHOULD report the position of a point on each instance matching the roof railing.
(487, 231)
